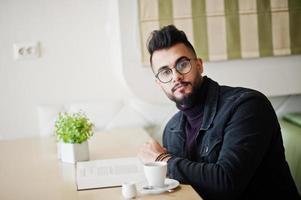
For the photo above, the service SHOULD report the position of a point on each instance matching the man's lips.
(179, 85)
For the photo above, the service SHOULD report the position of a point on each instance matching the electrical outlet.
(28, 50)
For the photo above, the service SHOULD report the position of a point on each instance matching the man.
(225, 142)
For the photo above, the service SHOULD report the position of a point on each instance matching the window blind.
(227, 29)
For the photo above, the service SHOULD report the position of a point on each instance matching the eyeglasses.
(182, 67)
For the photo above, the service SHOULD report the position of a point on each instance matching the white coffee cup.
(129, 190)
(155, 173)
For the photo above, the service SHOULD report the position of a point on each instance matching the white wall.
(81, 58)
(90, 52)
(273, 76)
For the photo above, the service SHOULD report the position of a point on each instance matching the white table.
(29, 168)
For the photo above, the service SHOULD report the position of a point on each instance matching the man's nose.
(176, 76)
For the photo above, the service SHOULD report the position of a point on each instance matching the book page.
(108, 172)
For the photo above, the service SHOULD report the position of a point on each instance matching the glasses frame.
(175, 67)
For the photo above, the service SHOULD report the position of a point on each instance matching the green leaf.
(73, 127)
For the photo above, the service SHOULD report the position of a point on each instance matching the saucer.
(169, 184)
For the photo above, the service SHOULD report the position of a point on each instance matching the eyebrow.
(166, 66)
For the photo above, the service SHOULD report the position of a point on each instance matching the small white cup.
(129, 190)
(155, 173)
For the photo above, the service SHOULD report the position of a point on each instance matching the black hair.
(166, 37)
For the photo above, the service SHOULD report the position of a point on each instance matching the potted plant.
(73, 131)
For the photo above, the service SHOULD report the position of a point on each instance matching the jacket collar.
(210, 104)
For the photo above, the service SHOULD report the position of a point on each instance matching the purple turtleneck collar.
(194, 116)
(194, 110)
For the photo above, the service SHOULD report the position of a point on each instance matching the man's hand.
(150, 151)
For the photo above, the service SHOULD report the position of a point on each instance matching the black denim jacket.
(240, 152)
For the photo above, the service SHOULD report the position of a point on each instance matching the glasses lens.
(183, 66)
(165, 75)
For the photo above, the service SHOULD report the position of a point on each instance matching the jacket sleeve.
(247, 136)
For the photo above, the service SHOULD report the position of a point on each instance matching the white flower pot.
(58, 150)
(70, 153)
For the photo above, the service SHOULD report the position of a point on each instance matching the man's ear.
(199, 64)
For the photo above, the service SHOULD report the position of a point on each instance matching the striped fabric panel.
(294, 25)
(165, 12)
(232, 29)
(227, 29)
(264, 28)
(200, 28)
(248, 27)
(216, 30)
(183, 20)
(280, 27)
(149, 21)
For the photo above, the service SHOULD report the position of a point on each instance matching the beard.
(187, 100)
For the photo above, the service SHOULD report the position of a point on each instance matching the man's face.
(182, 86)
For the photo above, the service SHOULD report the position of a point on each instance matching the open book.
(108, 173)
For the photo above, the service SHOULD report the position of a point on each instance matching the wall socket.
(26, 50)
